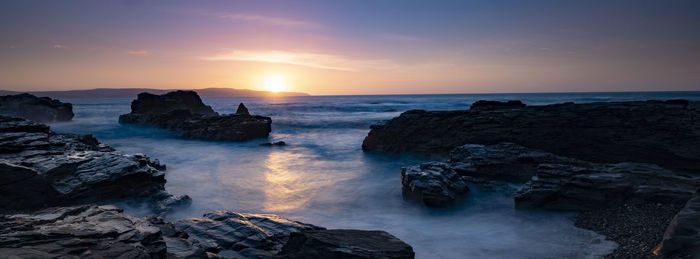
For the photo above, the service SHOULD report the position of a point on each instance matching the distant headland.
(131, 92)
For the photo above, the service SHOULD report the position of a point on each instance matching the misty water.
(322, 176)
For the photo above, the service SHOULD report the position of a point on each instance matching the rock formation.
(105, 232)
(39, 168)
(434, 184)
(658, 132)
(184, 113)
(682, 237)
(39, 109)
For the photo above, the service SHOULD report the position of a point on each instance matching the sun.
(275, 83)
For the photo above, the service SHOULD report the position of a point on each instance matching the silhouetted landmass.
(131, 92)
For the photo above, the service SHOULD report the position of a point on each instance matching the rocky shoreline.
(52, 186)
(629, 168)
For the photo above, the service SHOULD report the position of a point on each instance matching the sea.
(323, 177)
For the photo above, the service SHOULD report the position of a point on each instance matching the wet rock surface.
(105, 232)
(658, 132)
(79, 232)
(184, 112)
(345, 243)
(434, 184)
(40, 168)
(38, 109)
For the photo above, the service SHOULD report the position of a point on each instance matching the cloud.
(270, 20)
(307, 59)
(138, 52)
(399, 37)
(59, 46)
(12, 46)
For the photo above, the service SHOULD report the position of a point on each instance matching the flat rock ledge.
(664, 133)
(184, 113)
(105, 232)
(40, 169)
(38, 109)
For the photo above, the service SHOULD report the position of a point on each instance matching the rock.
(658, 132)
(503, 161)
(588, 186)
(240, 234)
(682, 237)
(80, 232)
(242, 110)
(483, 105)
(39, 109)
(184, 113)
(278, 143)
(435, 184)
(342, 243)
(39, 169)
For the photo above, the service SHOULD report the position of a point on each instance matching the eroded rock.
(345, 243)
(184, 113)
(435, 184)
(657, 132)
(39, 169)
(38, 109)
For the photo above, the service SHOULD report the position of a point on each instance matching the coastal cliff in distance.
(131, 92)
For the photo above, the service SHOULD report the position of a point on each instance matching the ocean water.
(322, 176)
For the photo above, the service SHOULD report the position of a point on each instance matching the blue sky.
(352, 47)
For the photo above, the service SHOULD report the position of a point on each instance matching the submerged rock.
(184, 113)
(39, 169)
(434, 184)
(278, 143)
(345, 243)
(39, 109)
(80, 232)
(658, 132)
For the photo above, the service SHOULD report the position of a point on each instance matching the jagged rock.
(659, 132)
(39, 168)
(343, 243)
(242, 110)
(682, 235)
(586, 186)
(79, 232)
(39, 109)
(435, 184)
(503, 161)
(240, 234)
(184, 113)
(483, 105)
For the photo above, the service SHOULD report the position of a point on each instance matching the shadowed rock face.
(105, 232)
(682, 236)
(184, 113)
(660, 132)
(39, 168)
(345, 243)
(80, 232)
(434, 184)
(39, 109)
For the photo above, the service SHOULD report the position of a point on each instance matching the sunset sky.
(352, 47)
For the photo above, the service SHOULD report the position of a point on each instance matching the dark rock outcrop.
(39, 168)
(434, 184)
(39, 109)
(184, 113)
(272, 144)
(345, 243)
(659, 132)
(79, 232)
(682, 237)
(105, 232)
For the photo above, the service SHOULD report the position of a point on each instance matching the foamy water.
(322, 177)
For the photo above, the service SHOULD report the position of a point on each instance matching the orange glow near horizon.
(275, 83)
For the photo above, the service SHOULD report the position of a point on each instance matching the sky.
(352, 47)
